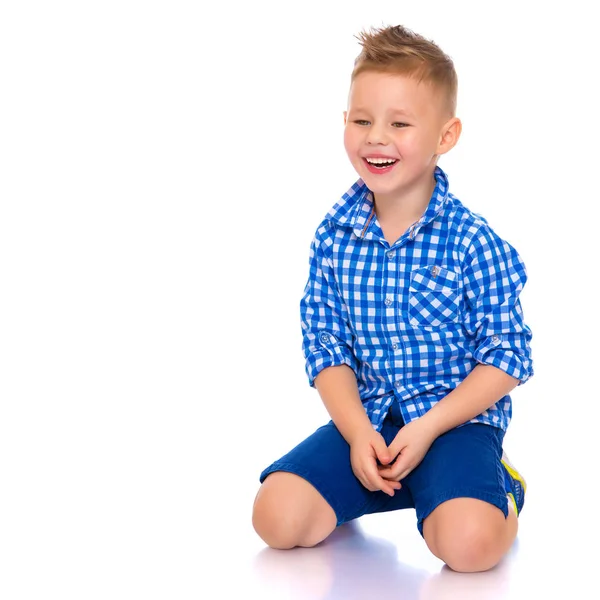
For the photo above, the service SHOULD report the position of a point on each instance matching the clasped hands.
(408, 449)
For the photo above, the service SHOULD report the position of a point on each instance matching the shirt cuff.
(507, 352)
(327, 351)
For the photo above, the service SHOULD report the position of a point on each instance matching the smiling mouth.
(381, 163)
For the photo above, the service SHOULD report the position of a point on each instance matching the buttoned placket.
(390, 293)
(395, 350)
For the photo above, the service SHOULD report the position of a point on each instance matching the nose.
(376, 134)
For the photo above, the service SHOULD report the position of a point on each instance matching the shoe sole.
(513, 472)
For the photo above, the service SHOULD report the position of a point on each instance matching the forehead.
(392, 92)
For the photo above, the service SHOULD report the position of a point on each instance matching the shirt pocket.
(433, 297)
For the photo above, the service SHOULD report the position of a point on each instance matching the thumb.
(394, 448)
(381, 450)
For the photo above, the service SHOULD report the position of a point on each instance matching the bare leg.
(470, 535)
(289, 511)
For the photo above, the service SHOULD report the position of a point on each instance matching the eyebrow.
(395, 111)
(399, 111)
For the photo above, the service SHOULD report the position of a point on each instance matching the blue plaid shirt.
(412, 319)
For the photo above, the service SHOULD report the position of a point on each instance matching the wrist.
(357, 430)
(432, 424)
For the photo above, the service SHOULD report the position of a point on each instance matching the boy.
(413, 332)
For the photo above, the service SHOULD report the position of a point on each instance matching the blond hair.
(400, 51)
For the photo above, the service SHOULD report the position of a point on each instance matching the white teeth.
(381, 161)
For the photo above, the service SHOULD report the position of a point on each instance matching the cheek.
(350, 143)
(409, 144)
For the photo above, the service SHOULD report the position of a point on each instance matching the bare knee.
(289, 512)
(272, 521)
(474, 549)
(468, 541)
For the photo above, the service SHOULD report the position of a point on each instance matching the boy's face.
(396, 117)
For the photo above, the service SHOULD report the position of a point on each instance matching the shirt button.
(324, 337)
(388, 301)
(395, 346)
(495, 340)
(391, 254)
(398, 385)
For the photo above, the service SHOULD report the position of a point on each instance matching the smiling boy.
(413, 332)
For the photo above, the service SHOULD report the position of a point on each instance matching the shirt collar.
(355, 208)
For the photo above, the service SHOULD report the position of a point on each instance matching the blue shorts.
(462, 463)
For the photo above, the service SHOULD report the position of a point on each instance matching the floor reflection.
(351, 565)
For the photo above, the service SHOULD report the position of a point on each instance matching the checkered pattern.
(414, 318)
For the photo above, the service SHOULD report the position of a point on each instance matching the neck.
(407, 206)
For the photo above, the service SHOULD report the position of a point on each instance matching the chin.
(377, 187)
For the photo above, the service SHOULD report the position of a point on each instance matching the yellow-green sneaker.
(515, 484)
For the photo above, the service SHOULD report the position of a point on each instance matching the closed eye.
(364, 123)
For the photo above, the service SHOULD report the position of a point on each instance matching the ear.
(345, 116)
(450, 134)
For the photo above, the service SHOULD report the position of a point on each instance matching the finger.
(404, 474)
(380, 483)
(395, 471)
(389, 487)
(367, 484)
(381, 451)
(397, 477)
(395, 448)
(360, 475)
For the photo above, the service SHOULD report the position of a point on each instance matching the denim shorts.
(461, 463)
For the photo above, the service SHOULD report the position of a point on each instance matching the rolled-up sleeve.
(327, 339)
(494, 278)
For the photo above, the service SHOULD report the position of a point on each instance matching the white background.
(163, 166)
